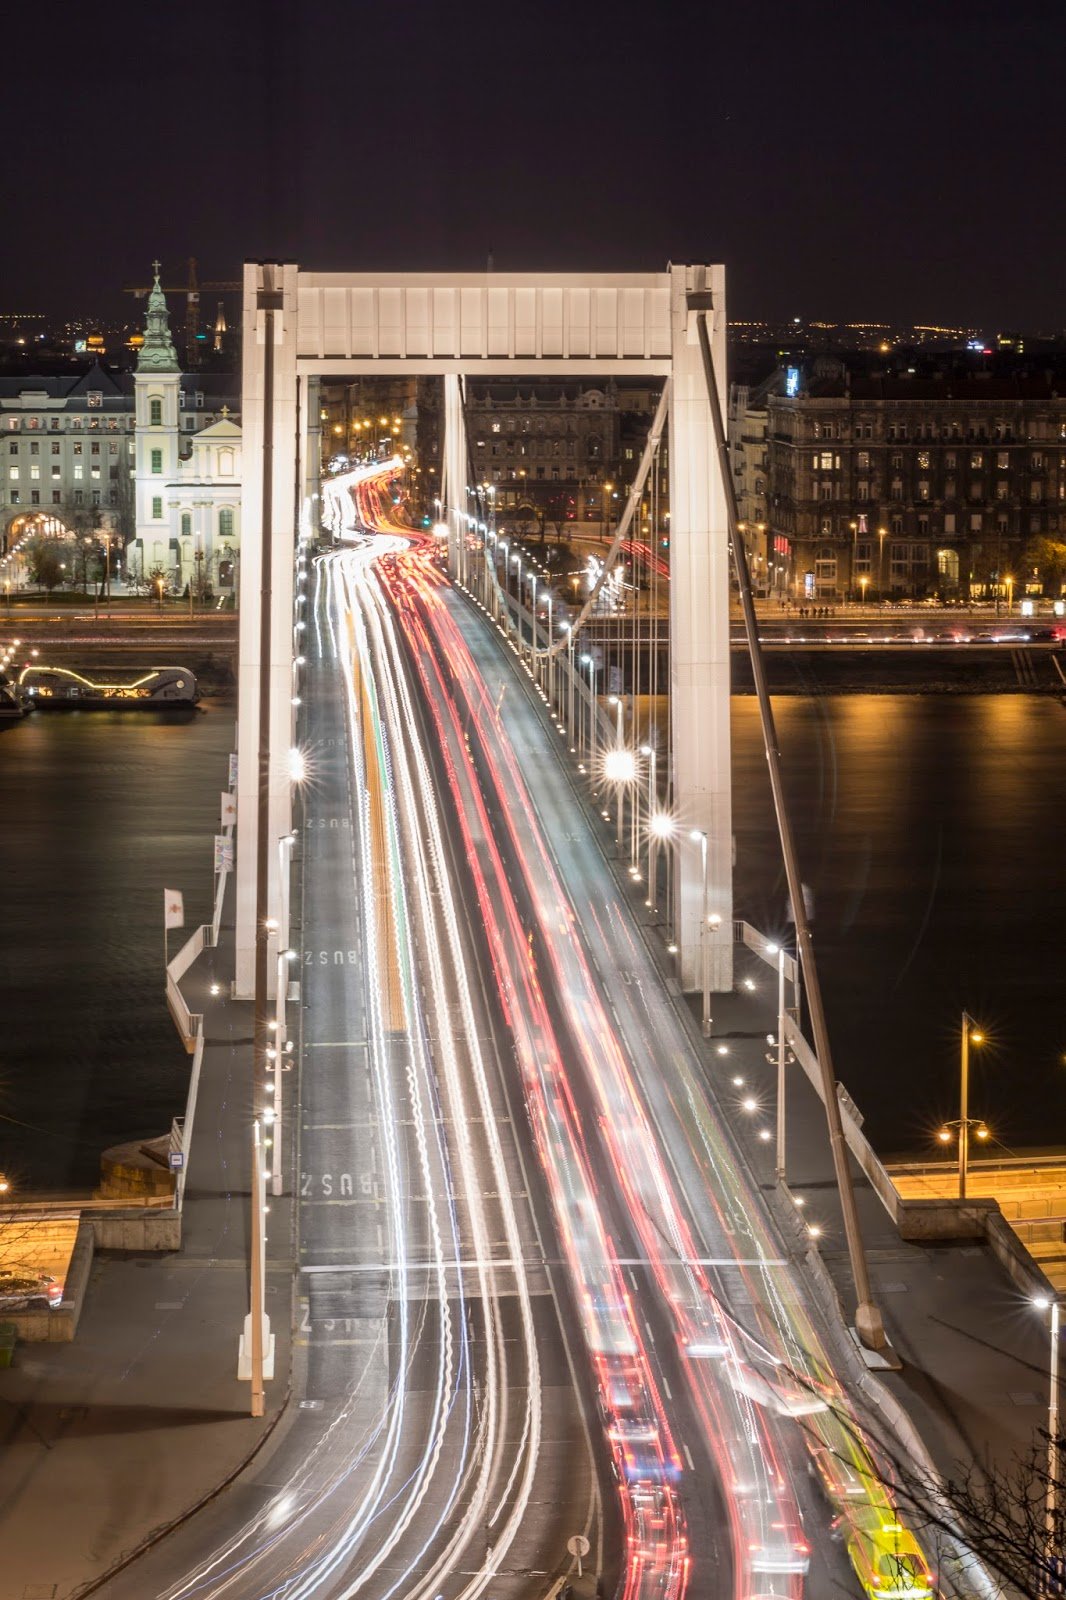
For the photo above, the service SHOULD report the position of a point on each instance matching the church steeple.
(157, 352)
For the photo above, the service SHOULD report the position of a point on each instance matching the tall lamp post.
(589, 661)
(699, 836)
(1051, 1551)
(970, 1035)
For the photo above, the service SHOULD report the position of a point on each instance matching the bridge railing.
(190, 1024)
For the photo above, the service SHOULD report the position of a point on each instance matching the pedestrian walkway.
(110, 1439)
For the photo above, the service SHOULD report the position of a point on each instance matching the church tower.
(157, 385)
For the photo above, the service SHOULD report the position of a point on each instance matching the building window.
(155, 413)
(94, 448)
(923, 460)
(55, 447)
(923, 488)
(862, 490)
(94, 399)
(975, 522)
(157, 508)
(977, 461)
(35, 497)
(1036, 490)
(79, 472)
(950, 461)
(35, 471)
(896, 524)
(897, 489)
(157, 460)
(862, 461)
(225, 523)
(13, 473)
(1003, 460)
(1002, 489)
(57, 497)
(1037, 460)
(14, 497)
(186, 524)
(977, 489)
(35, 448)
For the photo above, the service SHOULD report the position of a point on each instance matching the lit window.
(13, 473)
(79, 472)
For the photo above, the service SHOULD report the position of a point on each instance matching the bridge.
(558, 1328)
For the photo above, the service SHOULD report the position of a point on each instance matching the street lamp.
(699, 836)
(661, 829)
(882, 534)
(1044, 1302)
(863, 582)
(590, 662)
(970, 1035)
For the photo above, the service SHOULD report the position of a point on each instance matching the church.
(187, 478)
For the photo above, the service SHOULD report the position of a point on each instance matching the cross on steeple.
(156, 265)
(225, 411)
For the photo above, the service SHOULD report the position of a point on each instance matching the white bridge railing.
(190, 1026)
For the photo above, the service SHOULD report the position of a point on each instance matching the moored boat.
(150, 689)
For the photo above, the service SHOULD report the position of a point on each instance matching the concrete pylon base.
(244, 1351)
(872, 1341)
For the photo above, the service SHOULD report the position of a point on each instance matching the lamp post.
(970, 1035)
(881, 536)
(517, 562)
(661, 829)
(779, 1164)
(533, 624)
(863, 583)
(568, 630)
(648, 752)
(589, 661)
(699, 836)
(1051, 1551)
(619, 709)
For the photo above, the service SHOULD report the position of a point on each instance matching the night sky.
(885, 161)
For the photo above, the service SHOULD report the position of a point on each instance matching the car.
(886, 1557)
(29, 1291)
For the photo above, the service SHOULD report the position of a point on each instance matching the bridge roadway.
(441, 1444)
(438, 1440)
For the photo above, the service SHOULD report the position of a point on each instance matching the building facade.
(187, 492)
(109, 450)
(901, 486)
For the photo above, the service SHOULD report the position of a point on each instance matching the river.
(929, 829)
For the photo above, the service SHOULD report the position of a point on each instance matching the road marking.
(666, 1390)
(688, 1456)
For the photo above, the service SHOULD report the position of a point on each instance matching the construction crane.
(191, 290)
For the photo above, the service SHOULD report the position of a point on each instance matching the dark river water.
(930, 830)
(101, 812)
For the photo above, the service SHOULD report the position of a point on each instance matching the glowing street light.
(971, 1034)
(699, 836)
(1043, 1302)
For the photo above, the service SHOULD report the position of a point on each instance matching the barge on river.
(145, 689)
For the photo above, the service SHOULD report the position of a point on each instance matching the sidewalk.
(111, 1438)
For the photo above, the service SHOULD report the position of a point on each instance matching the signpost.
(578, 1547)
